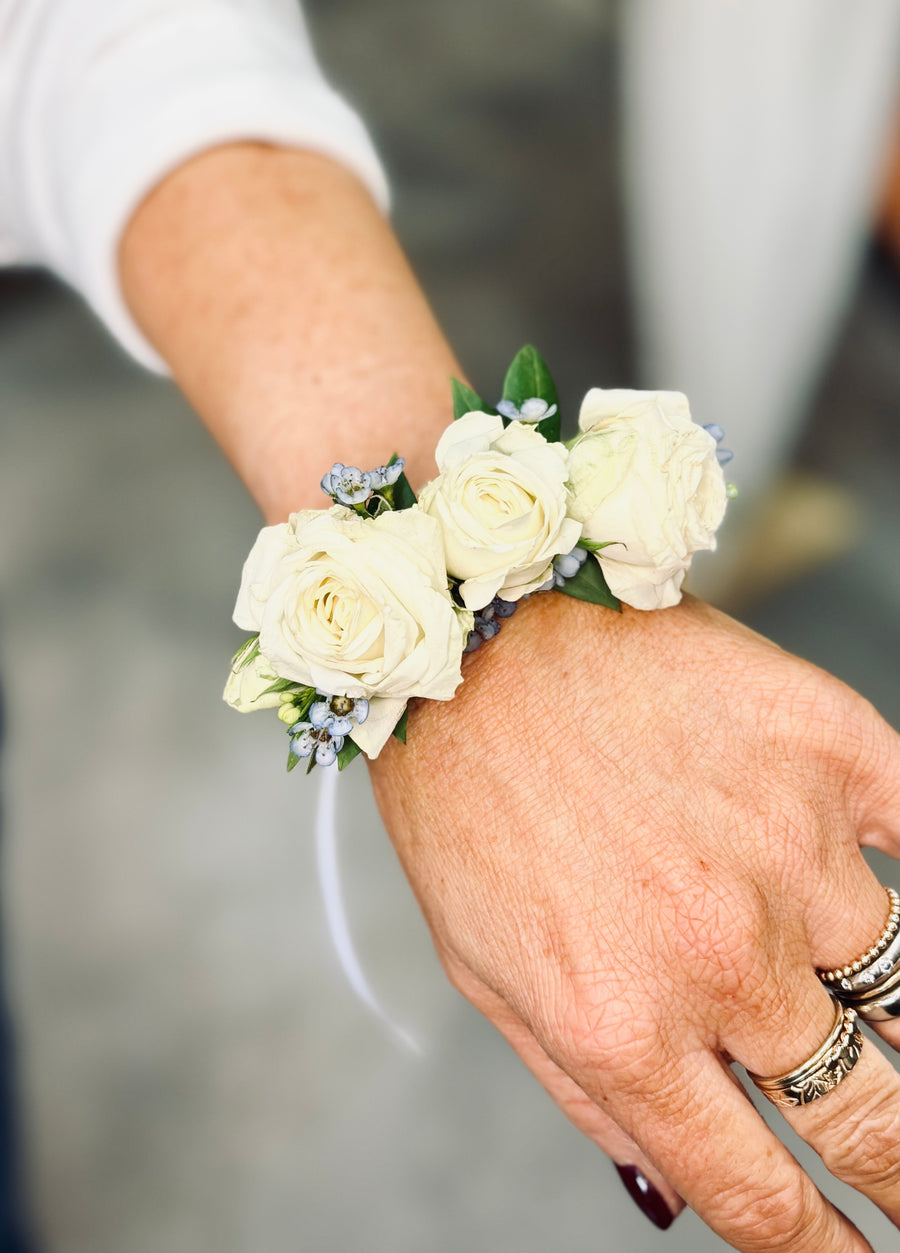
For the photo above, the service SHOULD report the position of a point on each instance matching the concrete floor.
(198, 1076)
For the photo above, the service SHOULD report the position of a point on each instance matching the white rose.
(356, 607)
(500, 499)
(246, 686)
(644, 476)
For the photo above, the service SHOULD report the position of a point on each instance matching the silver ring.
(882, 1002)
(820, 1074)
(875, 968)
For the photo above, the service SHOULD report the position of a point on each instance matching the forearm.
(272, 285)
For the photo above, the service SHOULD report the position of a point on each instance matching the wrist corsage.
(358, 607)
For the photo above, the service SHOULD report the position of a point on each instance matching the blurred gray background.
(198, 1077)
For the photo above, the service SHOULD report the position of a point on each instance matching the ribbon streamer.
(336, 914)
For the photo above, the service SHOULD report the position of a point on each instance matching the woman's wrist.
(272, 285)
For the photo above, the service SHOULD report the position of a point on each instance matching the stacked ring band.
(821, 1073)
(871, 983)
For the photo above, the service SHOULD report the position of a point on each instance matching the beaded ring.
(842, 975)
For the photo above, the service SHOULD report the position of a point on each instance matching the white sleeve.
(99, 99)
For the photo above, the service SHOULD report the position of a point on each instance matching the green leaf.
(530, 376)
(590, 585)
(292, 760)
(400, 728)
(303, 703)
(404, 496)
(464, 399)
(350, 750)
(400, 495)
(550, 428)
(247, 652)
(592, 546)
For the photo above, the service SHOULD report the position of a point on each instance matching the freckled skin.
(639, 900)
(633, 836)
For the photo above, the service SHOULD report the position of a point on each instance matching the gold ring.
(828, 1066)
(874, 966)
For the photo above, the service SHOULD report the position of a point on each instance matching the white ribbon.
(336, 914)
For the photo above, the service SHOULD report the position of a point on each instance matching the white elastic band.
(332, 899)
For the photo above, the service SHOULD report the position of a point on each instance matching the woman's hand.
(634, 838)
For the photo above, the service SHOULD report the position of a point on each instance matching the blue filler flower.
(336, 714)
(533, 410)
(386, 476)
(347, 484)
(307, 739)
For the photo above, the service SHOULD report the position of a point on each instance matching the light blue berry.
(503, 608)
(567, 565)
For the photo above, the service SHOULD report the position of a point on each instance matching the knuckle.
(717, 929)
(866, 1155)
(771, 1214)
(600, 1029)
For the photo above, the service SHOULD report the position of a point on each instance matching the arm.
(635, 873)
(272, 285)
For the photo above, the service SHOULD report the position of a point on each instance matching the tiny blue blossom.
(322, 717)
(347, 484)
(386, 476)
(303, 743)
(336, 714)
(307, 739)
(327, 751)
(533, 410)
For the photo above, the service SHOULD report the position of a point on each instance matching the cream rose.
(644, 476)
(500, 499)
(356, 607)
(246, 691)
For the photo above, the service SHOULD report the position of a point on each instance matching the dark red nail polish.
(647, 1198)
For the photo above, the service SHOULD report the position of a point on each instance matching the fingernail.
(647, 1198)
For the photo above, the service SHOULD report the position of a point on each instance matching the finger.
(874, 780)
(711, 1144)
(855, 1128)
(847, 921)
(846, 911)
(650, 1191)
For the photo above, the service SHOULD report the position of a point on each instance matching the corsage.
(358, 607)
